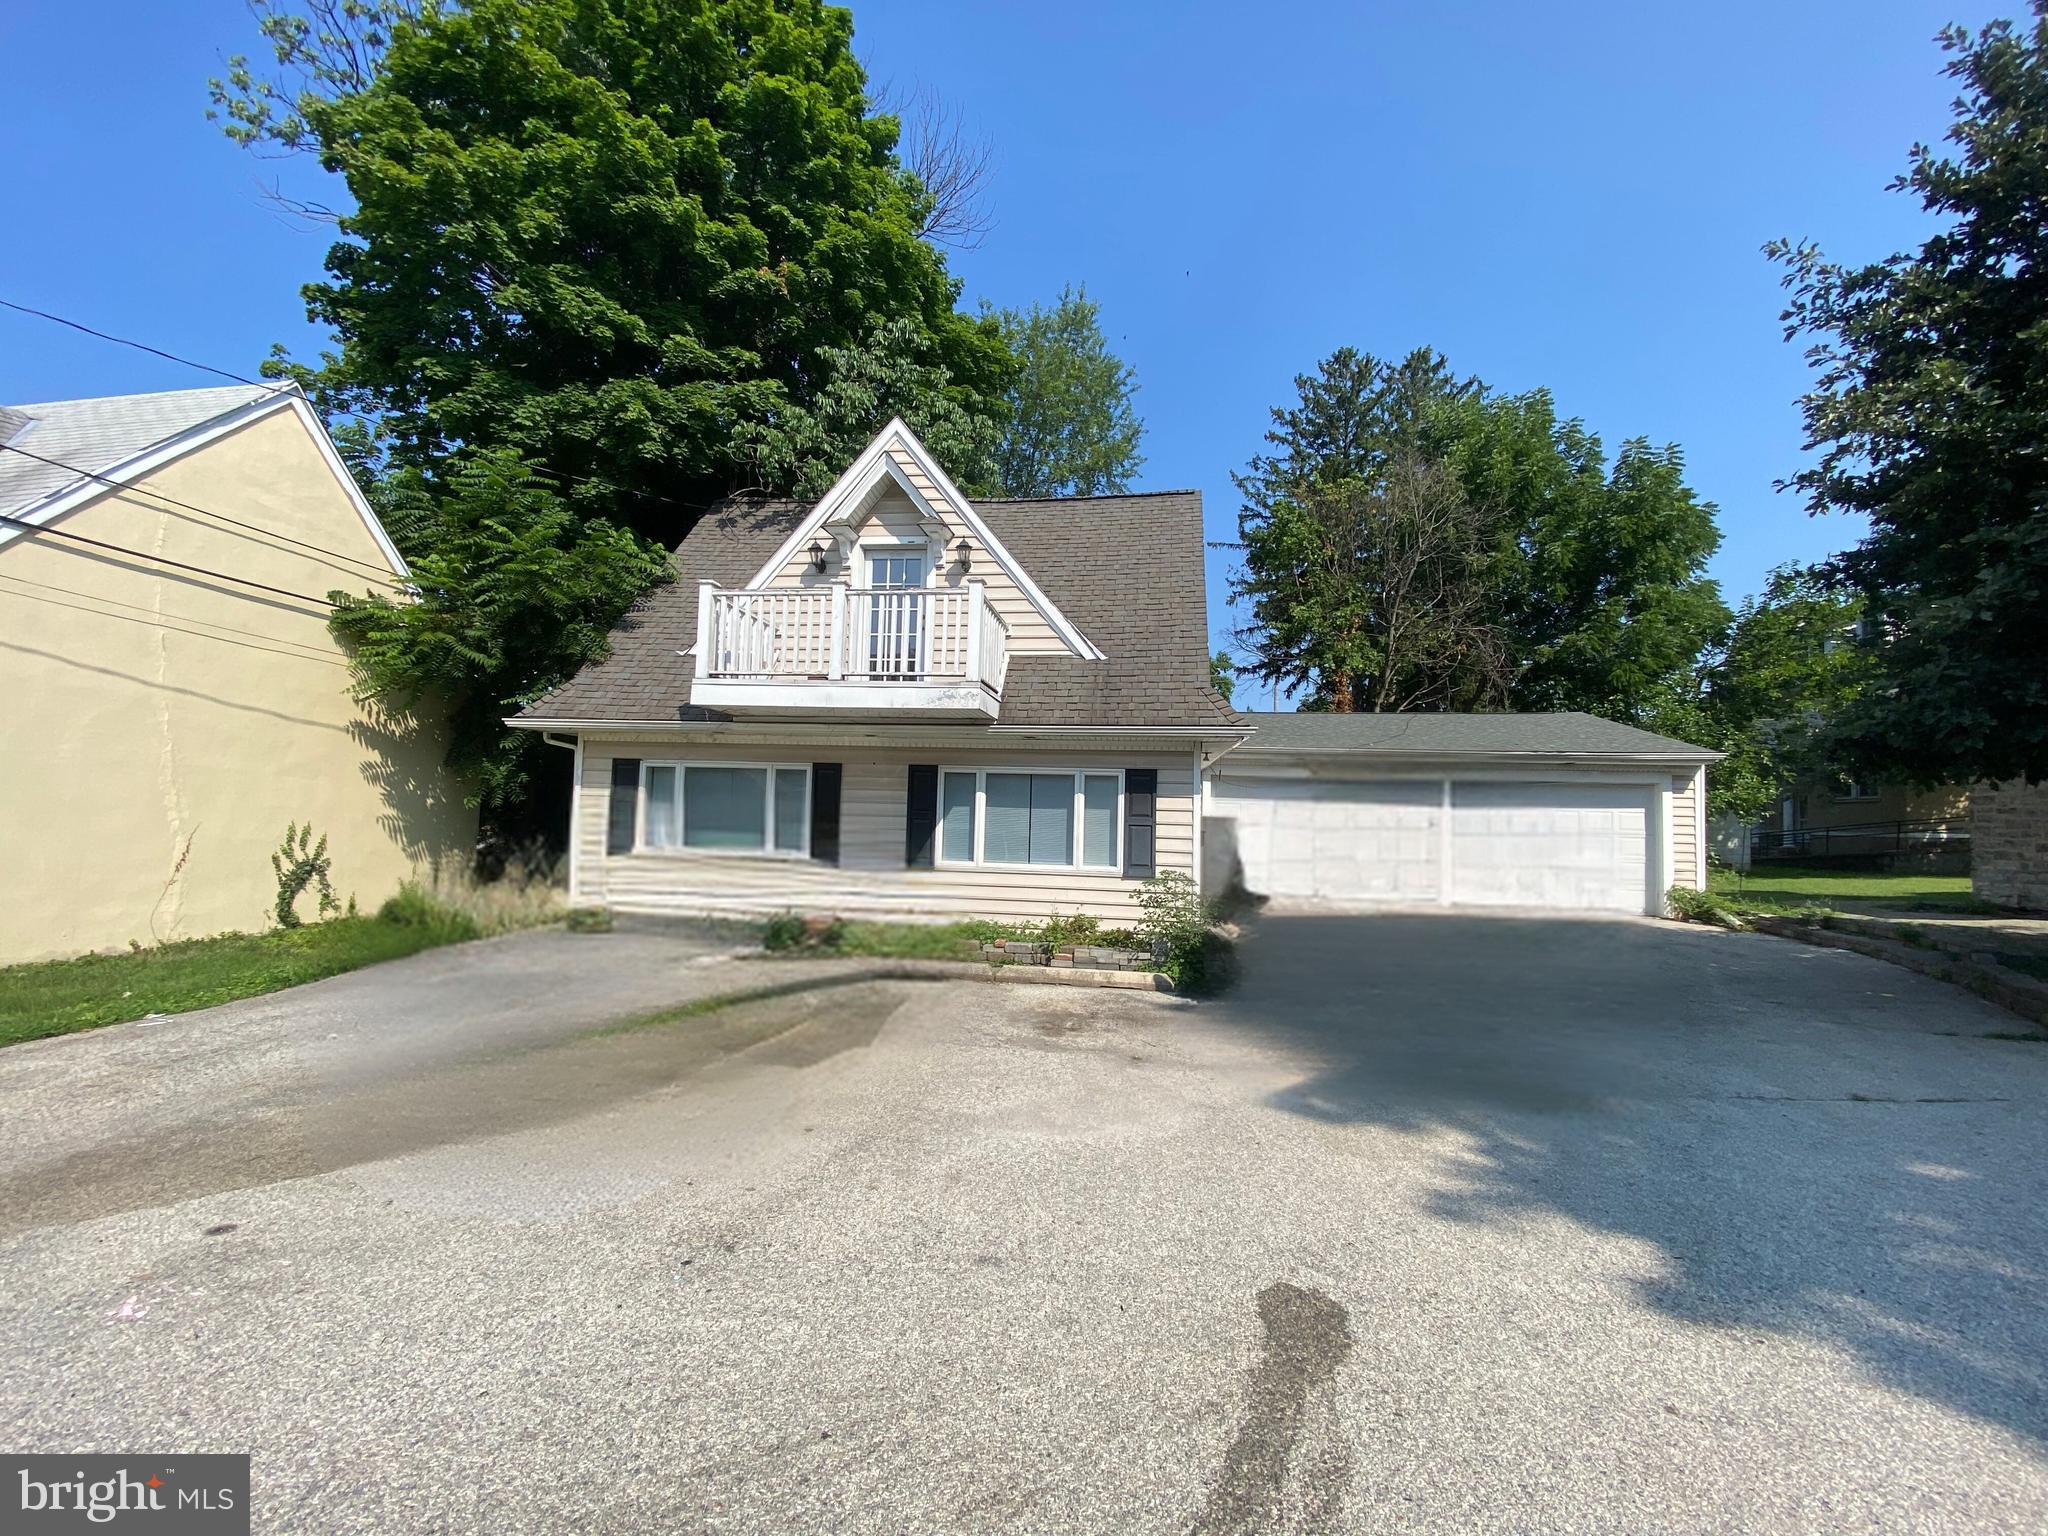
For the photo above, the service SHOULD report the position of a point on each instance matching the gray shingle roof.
(1459, 735)
(1127, 570)
(95, 435)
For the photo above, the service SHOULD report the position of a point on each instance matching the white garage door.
(1560, 847)
(1564, 847)
(1333, 841)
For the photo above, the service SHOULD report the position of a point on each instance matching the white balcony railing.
(834, 633)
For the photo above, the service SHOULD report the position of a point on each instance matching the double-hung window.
(726, 807)
(1031, 819)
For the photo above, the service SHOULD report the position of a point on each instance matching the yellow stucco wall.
(162, 727)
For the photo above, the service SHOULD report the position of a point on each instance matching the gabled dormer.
(890, 598)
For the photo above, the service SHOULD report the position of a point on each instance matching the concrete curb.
(972, 970)
(1989, 980)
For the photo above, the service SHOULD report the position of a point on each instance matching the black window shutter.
(1141, 820)
(921, 815)
(825, 812)
(625, 809)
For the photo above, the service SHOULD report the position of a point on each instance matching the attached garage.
(1560, 813)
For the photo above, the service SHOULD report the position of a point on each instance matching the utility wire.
(170, 357)
(124, 341)
(380, 574)
(39, 531)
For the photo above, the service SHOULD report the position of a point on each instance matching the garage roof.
(1565, 734)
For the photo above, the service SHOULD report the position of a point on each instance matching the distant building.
(1839, 818)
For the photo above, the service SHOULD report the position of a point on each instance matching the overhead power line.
(38, 530)
(379, 573)
(169, 357)
(140, 346)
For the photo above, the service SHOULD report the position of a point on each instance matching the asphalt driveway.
(1436, 1223)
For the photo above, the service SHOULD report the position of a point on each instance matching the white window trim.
(682, 767)
(1074, 850)
(886, 546)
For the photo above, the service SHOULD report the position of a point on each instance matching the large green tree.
(513, 591)
(1417, 542)
(1601, 573)
(614, 236)
(1072, 429)
(1790, 667)
(1929, 413)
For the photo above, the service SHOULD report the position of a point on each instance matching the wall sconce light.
(818, 556)
(963, 553)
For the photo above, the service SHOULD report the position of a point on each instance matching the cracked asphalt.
(1435, 1224)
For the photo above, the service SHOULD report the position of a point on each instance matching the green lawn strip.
(56, 997)
(916, 941)
(1789, 890)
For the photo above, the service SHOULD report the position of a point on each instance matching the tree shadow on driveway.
(1816, 1143)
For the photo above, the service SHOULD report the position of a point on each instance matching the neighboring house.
(897, 701)
(1829, 817)
(1559, 812)
(171, 692)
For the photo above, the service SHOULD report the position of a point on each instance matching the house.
(172, 695)
(900, 701)
(1833, 817)
(1559, 812)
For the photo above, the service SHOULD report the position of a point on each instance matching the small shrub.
(785, 930)
(1701, 907)
(590, 920)
(1694, 906)
(1173, 923)
(790, 930)
(1059, 933)
(298, 863)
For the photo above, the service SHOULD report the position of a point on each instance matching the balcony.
(934, 653)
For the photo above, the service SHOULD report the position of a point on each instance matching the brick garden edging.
(1069, 957)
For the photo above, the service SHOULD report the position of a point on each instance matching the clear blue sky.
(1560, 195)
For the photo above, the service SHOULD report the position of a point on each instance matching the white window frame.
(887, 546)
(1853, 790)
(1074, 847)
(682, 767)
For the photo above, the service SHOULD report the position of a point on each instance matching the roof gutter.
(1212, 742)
(1480, 754)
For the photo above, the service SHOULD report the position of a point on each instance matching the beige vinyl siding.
(871, 877)
(1685, 833)
(1030, 634)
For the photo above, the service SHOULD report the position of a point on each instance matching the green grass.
(57, 997)
(1797, 888)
